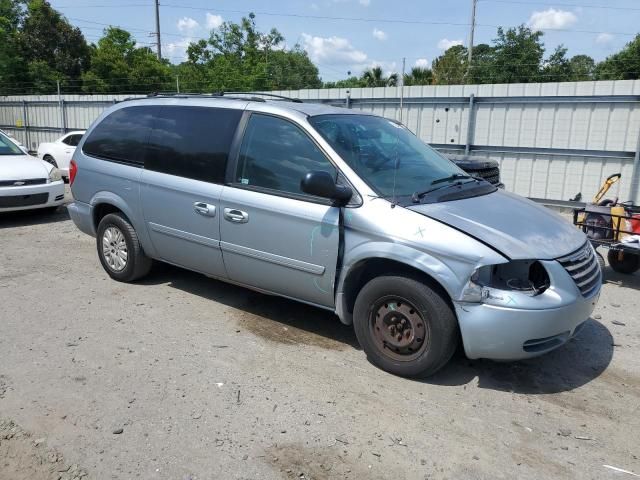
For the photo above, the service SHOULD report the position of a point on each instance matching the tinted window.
(122, 135)
(276, 154)
(192, 142)
(7, 147)
(72, 140)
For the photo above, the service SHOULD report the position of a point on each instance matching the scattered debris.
(597, 316)
(564, 432)
(616, 469)
(580, 437)
(617, 322)
(118, 431)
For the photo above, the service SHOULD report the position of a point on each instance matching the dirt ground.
(184, 377)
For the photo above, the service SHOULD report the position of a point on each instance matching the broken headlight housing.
(528, 277)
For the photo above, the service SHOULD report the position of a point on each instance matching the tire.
(600, 259)
(623, 262)
(380, 308)
(51, 160)
(115, 234)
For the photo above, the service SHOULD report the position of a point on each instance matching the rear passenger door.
(184, 171)
(274, 236)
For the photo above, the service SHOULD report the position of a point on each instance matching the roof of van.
(309, 109)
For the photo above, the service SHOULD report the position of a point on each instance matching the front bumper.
(31, 196)
(524, 327)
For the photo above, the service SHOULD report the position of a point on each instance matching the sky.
(365, 33)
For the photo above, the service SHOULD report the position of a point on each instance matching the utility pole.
(158, 44)
(473, 29)
(402, 87)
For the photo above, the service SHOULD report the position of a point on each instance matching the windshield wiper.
(416, 196)
(455, 176)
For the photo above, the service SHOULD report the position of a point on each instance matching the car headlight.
(528, 277)
(55, 175)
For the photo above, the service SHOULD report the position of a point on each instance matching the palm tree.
(374, 78)
(419, 76)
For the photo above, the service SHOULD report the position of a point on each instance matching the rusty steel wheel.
(405, 326)
(398, 329)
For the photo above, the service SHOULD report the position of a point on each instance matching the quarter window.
(276, 154)
(122, 136)
(192, 142)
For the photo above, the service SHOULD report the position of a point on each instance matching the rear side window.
(122, 136)
(192, 142)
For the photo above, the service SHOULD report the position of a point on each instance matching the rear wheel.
(119, 249)
(404, 326)
(51, 160)
(623, 262)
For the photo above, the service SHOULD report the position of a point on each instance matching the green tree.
(482, 64)
(450, 68)
(582, 68)
(557, 68)
(11, 66)
(517, 54)
(51, 48)
(624, 65)
(351, 82)
(239, 57)
(374, 77)
(117, 65)
(418, 76)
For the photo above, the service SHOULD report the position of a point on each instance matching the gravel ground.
(184, 377)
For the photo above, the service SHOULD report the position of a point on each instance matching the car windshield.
(7, 147)
(385, 154)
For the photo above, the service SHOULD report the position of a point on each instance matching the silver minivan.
(336, 208)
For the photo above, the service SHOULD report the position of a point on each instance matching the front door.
(274, 236)
(182, 182)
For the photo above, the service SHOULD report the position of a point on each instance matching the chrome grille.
(583, 267)
(24, 182)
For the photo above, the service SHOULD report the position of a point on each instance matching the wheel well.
(102, 209)
(366, 270)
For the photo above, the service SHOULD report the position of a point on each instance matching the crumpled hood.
(21, 167)
(513, 225)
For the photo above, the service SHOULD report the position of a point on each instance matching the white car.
(27, 182)
(59, 152)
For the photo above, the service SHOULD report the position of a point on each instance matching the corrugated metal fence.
(553, 140)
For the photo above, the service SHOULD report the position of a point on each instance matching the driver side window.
(276, 154)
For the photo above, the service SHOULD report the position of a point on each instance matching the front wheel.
(119, 249)
(404, 326)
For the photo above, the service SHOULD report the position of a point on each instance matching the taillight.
(73, 169)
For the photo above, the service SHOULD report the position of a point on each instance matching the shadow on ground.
(280, 320)
(26, 218)
(621, 279)
(275, 319)
(578, 362)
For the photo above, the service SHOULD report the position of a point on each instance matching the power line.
(542, 4)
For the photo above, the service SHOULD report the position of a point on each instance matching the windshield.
(7, 147)
(383, 153)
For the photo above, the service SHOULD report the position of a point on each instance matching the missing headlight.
(526, 276)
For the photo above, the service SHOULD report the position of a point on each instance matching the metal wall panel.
(592, 134)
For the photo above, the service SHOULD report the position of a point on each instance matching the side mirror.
(322, 184)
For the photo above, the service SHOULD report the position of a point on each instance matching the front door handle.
(236, 216)
(205, 209)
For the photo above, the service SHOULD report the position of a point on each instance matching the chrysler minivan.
(337, 208)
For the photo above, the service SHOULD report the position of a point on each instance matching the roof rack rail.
(272, 95)
(250, 96)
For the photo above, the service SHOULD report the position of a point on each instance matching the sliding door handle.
(236, 216)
